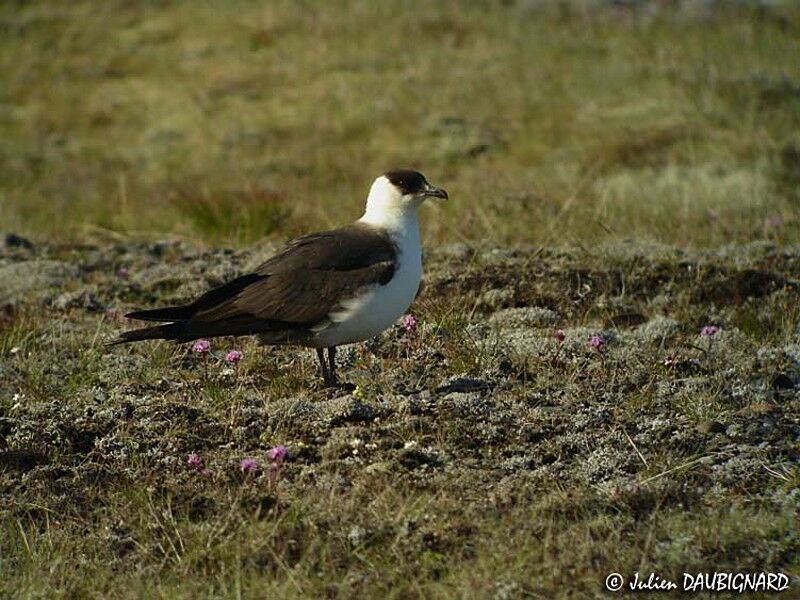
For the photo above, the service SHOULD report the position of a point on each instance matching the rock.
(17, 241)
(462, 384)
(781, 381)
(35, 278)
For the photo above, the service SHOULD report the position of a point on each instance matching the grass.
(238, 121)
(672, 453)
(572, 128)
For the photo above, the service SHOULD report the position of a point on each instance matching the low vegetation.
(603, 367)
(230, 122)
(546, 418)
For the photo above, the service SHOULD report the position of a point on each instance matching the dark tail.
(168, 313)
(208, 300)
(186, 331)
(170, 331)
(182, 325)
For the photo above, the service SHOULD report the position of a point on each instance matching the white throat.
(377, 307)
(387, 210)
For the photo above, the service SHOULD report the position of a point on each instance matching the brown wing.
(303, 283)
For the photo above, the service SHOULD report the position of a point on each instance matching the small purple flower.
(559, 335)
(233, 357)
(201, 346)
(194, 461)
(596, 342)
(409, 323)
(122, 273)
(249, 465)
(278, 454)
(709, 330)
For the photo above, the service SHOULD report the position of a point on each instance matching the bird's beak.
(435, 192)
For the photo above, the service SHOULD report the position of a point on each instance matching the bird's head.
(398, 193)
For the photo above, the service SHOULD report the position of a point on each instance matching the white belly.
(379, 307)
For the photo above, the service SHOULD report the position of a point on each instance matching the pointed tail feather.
(168, 313)
(170, 331)
(186, 331)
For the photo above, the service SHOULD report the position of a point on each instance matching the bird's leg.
(321, 357)
(332, 364)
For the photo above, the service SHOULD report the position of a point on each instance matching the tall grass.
(547, 125)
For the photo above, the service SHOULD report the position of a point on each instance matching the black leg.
(321, 357)
(332, 364)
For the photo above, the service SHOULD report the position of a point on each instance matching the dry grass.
(568, 124)
(547, 126)
(668, 453)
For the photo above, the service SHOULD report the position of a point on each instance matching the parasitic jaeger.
(322, 290)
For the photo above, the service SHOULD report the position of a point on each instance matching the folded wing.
(287, 295)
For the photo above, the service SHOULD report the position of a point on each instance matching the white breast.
(370, 313)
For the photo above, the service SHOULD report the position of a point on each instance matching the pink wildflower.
(233, 357)
(409, 323)
(596, 342)
(278, 453)
(201, 346)
(560, 336)
(249, 465)
(194, 461)
(709, 330)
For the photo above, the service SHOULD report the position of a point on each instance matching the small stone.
(17, 241)
(463, 384)
(164, 385)
(781, 381)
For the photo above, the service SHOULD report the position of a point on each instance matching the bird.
(322, 290)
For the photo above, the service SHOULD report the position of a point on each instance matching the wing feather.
(308, 279)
